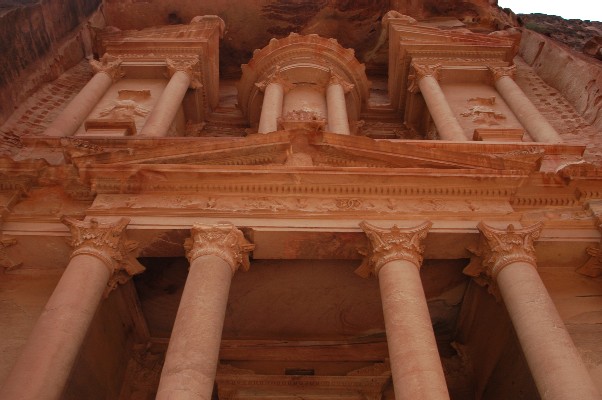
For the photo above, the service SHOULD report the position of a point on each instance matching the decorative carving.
(189, 66)
(108, 65)
(424, 70)
(593, 266)
(302, 119)
(484, 115)
(124, 109)
(276, 77)
(500, 72)
(7, 262)
(336, 79)
(222, 240)
(392, 244)
(107, 242)
(499, 248)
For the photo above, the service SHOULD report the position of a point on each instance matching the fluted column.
(396, 258)
(107, 71)
(183, 74)
(447, 125)
(101, 258)
(274, 88)
(338, 121)
(507, 261)
(536, 124)
(215, 253)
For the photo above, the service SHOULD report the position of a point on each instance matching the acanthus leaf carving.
(189, 66)
(107, 242)
(499, 248)
(275, 77)
(392, 244)
(108, 65)
(223, 240)
(500, 72)
(336, 79)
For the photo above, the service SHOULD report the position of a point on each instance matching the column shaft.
(45, 363)
(271, 108)
(338, 121)
(535, 123)
(415, 363)
(71, 118)
(164, 112)
(192, 355)
(557, 368)
(447, 125)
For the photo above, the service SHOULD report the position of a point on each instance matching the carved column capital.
(336, 79)
(222, 240)
(108, 65)
(499, 248)
(424, 70)
(500, 72)
(392, 244)
(107, 242)
(275, 77)
(190, 66)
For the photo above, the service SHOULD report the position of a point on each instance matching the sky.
(571, 9)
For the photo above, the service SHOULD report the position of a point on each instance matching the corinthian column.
(447, 125)
(338, 122)
(274, 88)
(107, 71)
(538, 127)
(182, 76)
(101, 258)
(507, 261)
(396, 258)
(215, 253)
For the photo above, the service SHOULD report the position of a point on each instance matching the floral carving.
(392, 244)
(107, 242)
(189, 66)
(499, 248)
(222, 240)
(108, 65)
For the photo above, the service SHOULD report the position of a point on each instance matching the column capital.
(499, 248)
(421, 71)
(392, 244)
(275, 77)
(336, 79)
(223, 240)
(108, 65)
(107, 242)
(190, 66)
(500, 72)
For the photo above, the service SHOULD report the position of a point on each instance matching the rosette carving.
(392, 244)
(222, 240)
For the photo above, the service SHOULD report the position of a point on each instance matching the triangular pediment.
(290, 149)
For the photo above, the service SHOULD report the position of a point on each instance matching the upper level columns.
(182, 73)
(338, 121)
(274, 89)
(107, 71)
(396, 258)
(44, 365)
(507, 259)
(447, 125)
(215, 253)
(535, 123)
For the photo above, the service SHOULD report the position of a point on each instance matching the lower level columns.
(215, 253)
(47, 358)
(447, 125)
(507, 259)
(534, 122)
(396, 257)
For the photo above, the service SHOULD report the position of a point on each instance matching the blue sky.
(573, 9)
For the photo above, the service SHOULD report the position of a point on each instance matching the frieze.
(107, 242)
(222, 240)
(392, 244)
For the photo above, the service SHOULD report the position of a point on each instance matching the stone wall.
(38, 42)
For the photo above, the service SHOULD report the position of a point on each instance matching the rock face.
(39, 40)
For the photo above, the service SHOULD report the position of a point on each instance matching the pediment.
(318, 150)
